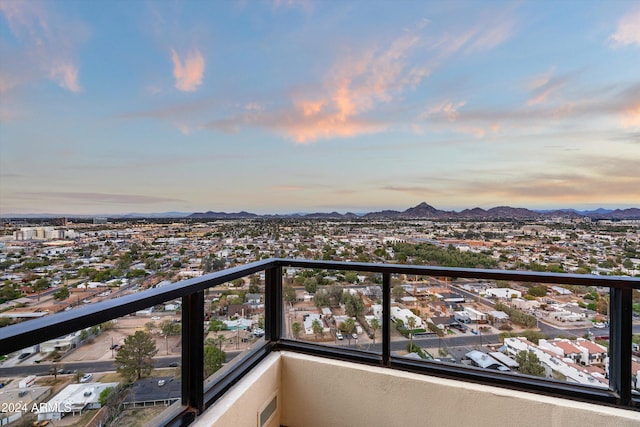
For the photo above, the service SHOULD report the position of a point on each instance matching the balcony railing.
(196, 397)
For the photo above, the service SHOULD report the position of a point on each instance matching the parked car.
(173, 365)
(339, 335)
(86, 377)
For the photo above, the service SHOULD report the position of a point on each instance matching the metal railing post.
(386, 319)
(274, 312)
(193, 351)
(620, 332)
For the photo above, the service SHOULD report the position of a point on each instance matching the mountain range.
(421, 211)
(426, 211)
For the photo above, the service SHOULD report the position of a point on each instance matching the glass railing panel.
(335, 308)
(233, 322)
(122, 366)
(557, 332)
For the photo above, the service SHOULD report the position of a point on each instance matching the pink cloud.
(355, 85)
(631, 116)
(188, 75)
(628, 30)
(49, 45)
(67, 77)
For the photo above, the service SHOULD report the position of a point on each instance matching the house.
(153, 391)
(403, 314)
(503, 293)
(74, 399)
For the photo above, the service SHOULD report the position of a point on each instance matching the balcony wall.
(314, 391)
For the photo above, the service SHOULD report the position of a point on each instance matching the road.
(90, 366)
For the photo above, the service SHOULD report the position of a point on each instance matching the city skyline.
(301, 106)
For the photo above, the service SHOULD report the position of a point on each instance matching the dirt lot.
(99, 348)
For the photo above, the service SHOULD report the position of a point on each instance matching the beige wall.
(322, 392)
(239, 407)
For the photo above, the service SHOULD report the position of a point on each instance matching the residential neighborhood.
(558, 332)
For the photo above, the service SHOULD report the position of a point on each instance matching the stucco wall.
(240, 405)
(314, 391)
(323, 392)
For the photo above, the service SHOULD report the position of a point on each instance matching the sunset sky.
(111, 107)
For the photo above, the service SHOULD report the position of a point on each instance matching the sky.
(282, 106)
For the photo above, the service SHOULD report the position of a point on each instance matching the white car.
(339, 335)
(86, 377)
(155, 318)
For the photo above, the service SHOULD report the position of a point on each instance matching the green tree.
(40, 285)
(397, 292)
(375, 325)
(348, 327)
(61, 294)
(296, 327)
(288, 293)
(353, 304)
(213, 359)
(529, 363)
(311, 285)
(321, 298)
(411, 324)
(149, 326)
(135, 358)
(317, 327)
(537, 291)
(104, 395)
(216, 325)
(211, 263)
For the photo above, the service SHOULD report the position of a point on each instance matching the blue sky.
(283, 106)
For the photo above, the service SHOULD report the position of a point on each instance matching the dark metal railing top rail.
(195, 399)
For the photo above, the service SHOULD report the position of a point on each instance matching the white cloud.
(628, 30)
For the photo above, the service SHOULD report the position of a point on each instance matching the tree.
(348, 327)
(353, 305)
(335, 293)
(61, 294)
(321, 298)
(375, 325)
(135, 358)
(213, 359)
(529, 363)
(216, 325)
(397, 292)
(169, 328)
(149, 326)
(41, 284)
(289, 293)
(104, 395)
(296, 328)
(411, 324)
(311, 285)
(211, 263)
(317, 328)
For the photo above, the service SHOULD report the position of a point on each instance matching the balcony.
(285, 381)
